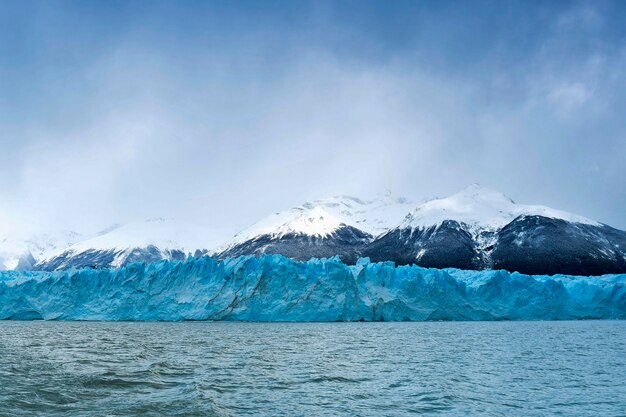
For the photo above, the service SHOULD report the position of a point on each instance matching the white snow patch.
(481, 209)
(323, 217)
(165, 234)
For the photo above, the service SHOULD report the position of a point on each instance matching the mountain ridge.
(476, 228)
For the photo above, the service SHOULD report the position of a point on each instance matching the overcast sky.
(225, 112)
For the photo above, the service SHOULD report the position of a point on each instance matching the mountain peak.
(324, 216)
(159, 232)
(476, 192)
(481, 207)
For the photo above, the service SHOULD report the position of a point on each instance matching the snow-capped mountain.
(481, 209)
(479, 228)
(324, 216)
(147, 241)
(22, 254)
(15, 255)
(340, 225)
(476, 228)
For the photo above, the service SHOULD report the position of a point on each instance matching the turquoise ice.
(274, 288)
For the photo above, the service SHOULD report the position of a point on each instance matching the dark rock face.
(347, 243)
(540, 245)
(529, 244)
(88, 259)
(447, 246)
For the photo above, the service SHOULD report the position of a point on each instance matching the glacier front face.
(274, 288)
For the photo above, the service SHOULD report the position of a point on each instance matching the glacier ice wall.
(274, 288)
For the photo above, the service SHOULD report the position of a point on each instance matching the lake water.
(313, 369)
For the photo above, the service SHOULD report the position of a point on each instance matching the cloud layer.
(227, 112)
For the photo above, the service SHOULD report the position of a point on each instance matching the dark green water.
(310, 369)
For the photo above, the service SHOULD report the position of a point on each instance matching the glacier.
(275, 288)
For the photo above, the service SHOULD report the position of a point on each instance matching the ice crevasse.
(274, 288)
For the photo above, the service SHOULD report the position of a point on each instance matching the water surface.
(312, 369)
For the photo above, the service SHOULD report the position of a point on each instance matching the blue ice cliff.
(274, 288)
